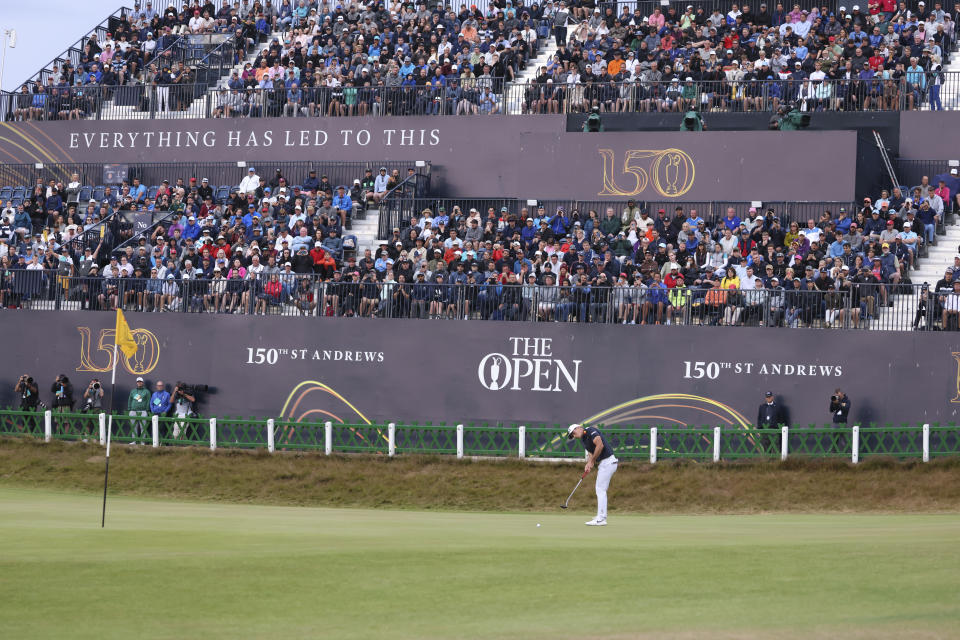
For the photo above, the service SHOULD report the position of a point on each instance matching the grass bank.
(444, 483)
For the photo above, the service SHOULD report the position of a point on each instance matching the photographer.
(92, 397)
(182, 398)
(839, 407)
(29, 395)
(62, 394)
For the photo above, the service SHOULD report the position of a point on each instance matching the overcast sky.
(45, 29)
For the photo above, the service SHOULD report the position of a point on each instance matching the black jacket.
(65, 399)
(840, 409)
(771, 416)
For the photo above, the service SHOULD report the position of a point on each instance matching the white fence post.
(855, 450)
(328, 438)
(653, 445)
(213, 434)
(103, 429)
(926, 443)
(522, 441)
(271, 445)
(47, 425)
(155, 429)
(716, 444)
(459, 441)
(392, 439)
(784, 442)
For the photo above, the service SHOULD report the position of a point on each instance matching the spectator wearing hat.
(771, 414)
(250, 183)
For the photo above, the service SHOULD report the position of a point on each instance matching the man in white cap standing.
(600, 455)
(138, 405)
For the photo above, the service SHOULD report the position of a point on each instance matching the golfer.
(601, 456)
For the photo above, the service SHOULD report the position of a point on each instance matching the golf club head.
(563, 506)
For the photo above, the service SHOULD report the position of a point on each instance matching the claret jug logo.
(529, 366)
(669, 171)
(100, 358)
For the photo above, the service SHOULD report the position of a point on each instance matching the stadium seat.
(19, 192)
(222, 194)
(16, 201)
(85, 192)
(6, 193)
(152, 191)
(98, 192)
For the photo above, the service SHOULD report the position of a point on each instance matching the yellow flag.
(124, 338)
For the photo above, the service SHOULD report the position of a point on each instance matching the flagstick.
(106, 470)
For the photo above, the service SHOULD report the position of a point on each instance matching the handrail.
(145, 233)
(79, 241)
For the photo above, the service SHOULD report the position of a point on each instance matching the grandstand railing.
(203, 101)
(222, 176)
(631, 442)
(730, 97)
(723, 6)
(396, 213)
(863, 306)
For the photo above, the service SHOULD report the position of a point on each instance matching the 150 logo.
(669, 171)
(140, 363)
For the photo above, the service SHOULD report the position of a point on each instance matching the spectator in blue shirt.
(732, 220)
(835, 250)
(560, 223)
(191, 231)
(843, 222)
(343, 202)
(160, 400)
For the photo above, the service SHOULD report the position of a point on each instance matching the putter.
(565, 504)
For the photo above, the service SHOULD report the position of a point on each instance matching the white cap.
(139, 379)
(571, 428)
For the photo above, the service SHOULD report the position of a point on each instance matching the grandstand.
(378, 238)
(194, 60)
(384, 256)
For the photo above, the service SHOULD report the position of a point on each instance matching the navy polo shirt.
(589, 433)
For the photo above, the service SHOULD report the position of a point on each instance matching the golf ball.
(538, 524)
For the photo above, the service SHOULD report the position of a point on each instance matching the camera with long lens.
(191, 389)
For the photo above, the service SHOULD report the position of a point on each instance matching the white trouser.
(605, 471)
(163, 99)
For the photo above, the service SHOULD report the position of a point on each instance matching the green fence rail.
(639, 442)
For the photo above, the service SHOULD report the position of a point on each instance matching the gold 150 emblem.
(142, 362)
(670, 171)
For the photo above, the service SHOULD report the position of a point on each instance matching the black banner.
(361, 370)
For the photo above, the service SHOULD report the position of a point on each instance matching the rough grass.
(444, 483)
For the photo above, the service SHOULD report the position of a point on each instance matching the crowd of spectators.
(274, 247)
(885, 55)
(387, 58)
(325, 58)
(148, 47)
(321, 58)
(53, 244)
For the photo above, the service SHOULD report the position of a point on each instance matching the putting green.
(198, 570)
